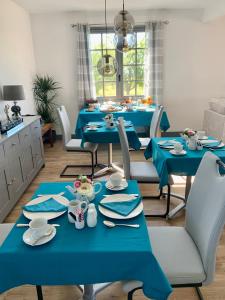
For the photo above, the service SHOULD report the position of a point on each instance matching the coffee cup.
(38, 227)
(178, 147)
(115, 179)
(200, 134)
(74, 206)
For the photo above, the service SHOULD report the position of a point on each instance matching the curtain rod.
(102, 25)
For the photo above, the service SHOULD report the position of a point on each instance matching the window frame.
(119, 57)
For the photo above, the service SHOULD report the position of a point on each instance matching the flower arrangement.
(83, 185)
(189, 133)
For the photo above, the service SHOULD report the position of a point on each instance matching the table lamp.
(14, 93)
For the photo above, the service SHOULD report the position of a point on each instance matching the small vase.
(192, 143)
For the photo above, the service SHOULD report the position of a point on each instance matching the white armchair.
(154, 126)
(74, 145)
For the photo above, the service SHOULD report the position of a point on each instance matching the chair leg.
(199, 293)
(92, 165)
(164, 215)
(39, 292)
(96, 158)
(130, 295)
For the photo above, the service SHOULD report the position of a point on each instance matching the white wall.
(194, 59)
(17, 64)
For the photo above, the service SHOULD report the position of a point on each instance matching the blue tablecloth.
(138, 118)
(88, 256)
(104, 135)
(167, 164)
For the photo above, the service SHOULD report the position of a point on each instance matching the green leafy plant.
(45, 91)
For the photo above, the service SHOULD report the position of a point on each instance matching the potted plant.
(45, 90)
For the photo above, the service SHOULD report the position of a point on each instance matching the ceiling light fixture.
(107, 65)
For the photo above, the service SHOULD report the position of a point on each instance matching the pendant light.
(124, 22)
(124, 38)
(124, 43)
(107, 65)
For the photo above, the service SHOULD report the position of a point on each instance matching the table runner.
(138, 118)
(88, 256)
(105, 135)
(166, 163)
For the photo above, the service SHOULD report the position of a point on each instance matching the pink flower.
(77, 184)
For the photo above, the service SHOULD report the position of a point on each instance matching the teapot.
(86, 191)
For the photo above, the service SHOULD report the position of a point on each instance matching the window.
(129, 80)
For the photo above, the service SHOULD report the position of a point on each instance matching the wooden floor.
(56, 159)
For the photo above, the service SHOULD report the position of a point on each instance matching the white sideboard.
(21, 158)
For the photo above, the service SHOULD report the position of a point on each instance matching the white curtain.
(153, 80)
(86, 86)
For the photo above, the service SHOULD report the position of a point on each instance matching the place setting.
(93, 126)
(116, 183)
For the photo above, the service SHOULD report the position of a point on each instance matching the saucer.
(45, 239)
(92, 129)
(121, 187)
(183, 152)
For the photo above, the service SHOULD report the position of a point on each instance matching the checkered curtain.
(86, 87)
(153, 84)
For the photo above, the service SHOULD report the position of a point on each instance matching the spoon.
(111, 224)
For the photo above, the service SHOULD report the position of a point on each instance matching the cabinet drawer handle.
(36, 127)
(13, 144)
(26, 135)
(10, 183)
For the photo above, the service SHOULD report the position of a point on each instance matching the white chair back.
(65, 124)
(125, 149)
(156, 120)
(205, 214)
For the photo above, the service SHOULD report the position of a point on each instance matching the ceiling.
(35, 6)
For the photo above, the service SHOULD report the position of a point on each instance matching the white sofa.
(214, 119)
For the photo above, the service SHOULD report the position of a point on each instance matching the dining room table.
(104, 135)
(83, 257)
(186, 165)
(137, 117)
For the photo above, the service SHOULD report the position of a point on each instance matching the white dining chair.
(74, 145)
(142, 171)
(154, 126)
(188, 254)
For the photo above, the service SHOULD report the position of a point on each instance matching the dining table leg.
(182, 205)
(110, 167)
(89, 293)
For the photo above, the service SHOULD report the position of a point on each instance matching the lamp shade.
(107, 65)
(124, 43)
(123, 23)
(13, 93)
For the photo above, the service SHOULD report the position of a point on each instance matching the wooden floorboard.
(56, 159)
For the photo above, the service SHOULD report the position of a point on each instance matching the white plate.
(183, 152)
(92, 129)
(118, 198)
(221, 145)
(209, 142)
(47, 215)
(141, 108)
(161, 143)
(123, 186)
(45, 239)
